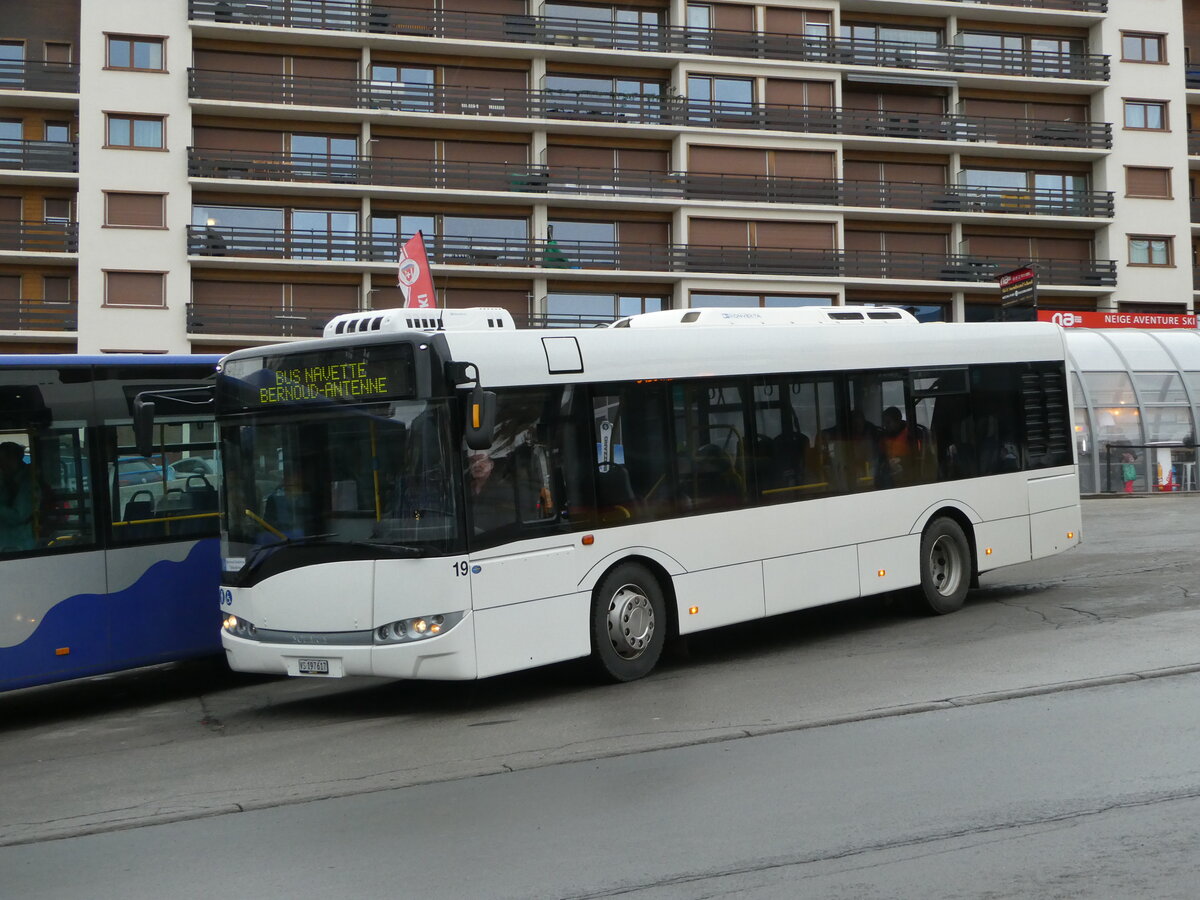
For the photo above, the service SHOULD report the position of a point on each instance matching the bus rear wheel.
(945, 566)
(629, 623)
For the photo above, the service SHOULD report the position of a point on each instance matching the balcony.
(267, 243)
(39, 156)
(626, 109)
(37, 315)
(346, 15)
(1193, 143)
(1193, 77)
(36, 75)
(1195, 211)
(39, 237)
(627, 183)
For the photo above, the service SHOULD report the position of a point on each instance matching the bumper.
(450, 656)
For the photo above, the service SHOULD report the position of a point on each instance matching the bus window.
(711, 445)
(171, 494)
(792, 460)
(518, 483)
(45, 489)
(941, 402)
(995, 395)
(887, 444)
(633, 465)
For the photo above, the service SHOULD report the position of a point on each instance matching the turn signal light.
(1070, 535)
(987, 552)
(692, 610)
(881, 572)
(63, 651)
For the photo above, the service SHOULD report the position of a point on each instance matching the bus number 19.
(461, 568)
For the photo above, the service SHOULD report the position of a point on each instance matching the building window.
(57, 52)
(137, 132)
(1143, 181)
(57, 210)
(12, 64)
(56, 289)
(145, 54)
(1145, 250)
(728, 96)
(1145, 48)
(403, 87)
(59, 132)
(135, 289)
(127, 210)
(1146, 115)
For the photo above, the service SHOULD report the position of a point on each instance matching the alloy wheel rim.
(631, 621)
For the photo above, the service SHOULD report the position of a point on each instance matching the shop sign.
(1070, 319)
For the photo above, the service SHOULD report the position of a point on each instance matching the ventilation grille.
(397, 320)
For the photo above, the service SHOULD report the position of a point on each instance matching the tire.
(945, 567)
(629, 623)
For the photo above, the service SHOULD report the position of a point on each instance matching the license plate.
(312, 666)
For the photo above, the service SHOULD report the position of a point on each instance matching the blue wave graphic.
(170, 613)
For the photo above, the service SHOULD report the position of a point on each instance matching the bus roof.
(561, 355)
(10, 360)
(620, 354)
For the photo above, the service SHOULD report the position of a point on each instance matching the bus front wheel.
(945, 566)
(629, 623)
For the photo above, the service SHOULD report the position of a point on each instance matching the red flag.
(414, 279)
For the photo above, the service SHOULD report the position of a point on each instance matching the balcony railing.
(41, 237)
(426, 174)
(294, 321)
(628, 109)
(36, 75)
(309, 321)
(1195, 211)
(37, 315)
(355, 246)
(1193, 144)
(42, 156)
(1193, 77)
(350, 16)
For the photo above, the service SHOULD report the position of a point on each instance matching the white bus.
(435, 494)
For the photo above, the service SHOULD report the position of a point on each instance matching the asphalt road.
(233, 762)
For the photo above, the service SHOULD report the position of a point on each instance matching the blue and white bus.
(614, 487)
(108, 557)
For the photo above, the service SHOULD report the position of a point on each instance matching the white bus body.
(534, 599)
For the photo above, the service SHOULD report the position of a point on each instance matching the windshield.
(380, 476)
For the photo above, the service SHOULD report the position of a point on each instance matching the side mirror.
(143, 426)
(481, 418)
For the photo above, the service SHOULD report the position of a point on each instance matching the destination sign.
(341, 381)
(353, 374)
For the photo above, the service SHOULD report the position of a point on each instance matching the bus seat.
(614, 494)
(140, 506)
(201, 493)
(138, 510)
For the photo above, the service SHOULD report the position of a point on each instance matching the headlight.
(418, 628)
(240, 627)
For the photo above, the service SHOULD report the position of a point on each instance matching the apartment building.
(197, 175)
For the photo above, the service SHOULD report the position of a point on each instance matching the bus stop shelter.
(1136, 397)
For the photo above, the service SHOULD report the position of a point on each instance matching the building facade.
(198, 175)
